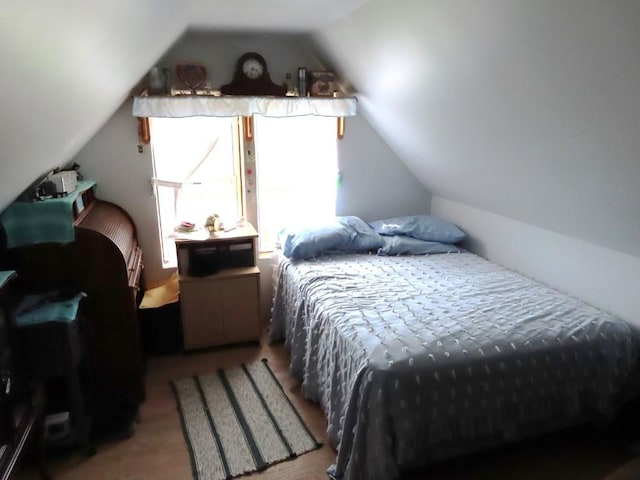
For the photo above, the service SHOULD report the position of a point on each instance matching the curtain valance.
(242, 106)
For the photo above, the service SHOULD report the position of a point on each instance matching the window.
(297, 168)
(198, 171)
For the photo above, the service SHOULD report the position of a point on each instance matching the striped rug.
(239, 420)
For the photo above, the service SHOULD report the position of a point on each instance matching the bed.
(417, 358)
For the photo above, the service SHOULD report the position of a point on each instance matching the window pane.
(196, 169)
(297, 167)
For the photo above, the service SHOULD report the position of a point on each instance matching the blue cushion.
(403, 245)
(365, 238)
(48, 307)
(422, 227)
(310, 241)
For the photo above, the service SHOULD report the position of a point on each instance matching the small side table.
(219, 287)
(48, 327)
(21, 408)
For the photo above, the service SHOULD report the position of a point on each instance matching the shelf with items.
(250, 76)
(202, 254)
(50, 220)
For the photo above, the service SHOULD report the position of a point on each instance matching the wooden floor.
(157, 450)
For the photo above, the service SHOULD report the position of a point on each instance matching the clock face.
(251, 77)
(252, 68)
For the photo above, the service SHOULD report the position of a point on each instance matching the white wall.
(66, 66)
(605, 278)
(267, 15)
(123, 176)
(525, 108)
(375, 182)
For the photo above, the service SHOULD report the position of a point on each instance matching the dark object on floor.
(628, 471)
(161, 329)
(624, 427)
(113, 419)
(268, 428)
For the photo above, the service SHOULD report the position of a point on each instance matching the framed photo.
(323, 84)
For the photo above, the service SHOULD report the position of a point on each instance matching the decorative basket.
(193, 75)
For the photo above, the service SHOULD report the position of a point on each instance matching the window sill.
(266, 255)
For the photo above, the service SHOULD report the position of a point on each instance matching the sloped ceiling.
(267, 15)
(66, 67)
(525, 108)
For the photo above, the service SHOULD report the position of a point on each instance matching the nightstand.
(219, 287)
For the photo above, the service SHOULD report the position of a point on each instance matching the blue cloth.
(29, 223)
(5, 276)
(422, 227)
(365, 238)
(310, 241)
(47, 307)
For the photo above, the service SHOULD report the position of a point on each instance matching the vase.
(159, 81)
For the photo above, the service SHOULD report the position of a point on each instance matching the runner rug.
(239, 420)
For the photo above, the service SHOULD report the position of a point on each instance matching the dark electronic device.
(208, 259)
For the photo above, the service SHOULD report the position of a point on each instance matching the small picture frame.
(323, 84)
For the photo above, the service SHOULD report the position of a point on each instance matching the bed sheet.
(418, 358)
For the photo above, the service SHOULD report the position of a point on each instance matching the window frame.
(245, 163)
(169, 261)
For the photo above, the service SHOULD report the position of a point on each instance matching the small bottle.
(302, 81)
(289, 84)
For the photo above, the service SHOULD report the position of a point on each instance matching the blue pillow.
(403, 245)
(365, 238)
(422, 227)
(307, 242)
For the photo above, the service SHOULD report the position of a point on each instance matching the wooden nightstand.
(219, 287)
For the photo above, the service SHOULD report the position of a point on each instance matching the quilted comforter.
(418, 358)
